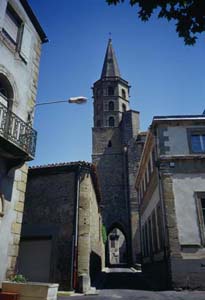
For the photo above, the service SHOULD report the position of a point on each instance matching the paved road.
(126, 284)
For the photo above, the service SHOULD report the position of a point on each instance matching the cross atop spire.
(110, 66)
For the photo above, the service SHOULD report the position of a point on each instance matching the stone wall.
(90, 244)
(50, 212)
(13, 188)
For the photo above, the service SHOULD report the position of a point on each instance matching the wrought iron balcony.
(21, 136)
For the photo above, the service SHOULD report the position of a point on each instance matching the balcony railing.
(16, 131)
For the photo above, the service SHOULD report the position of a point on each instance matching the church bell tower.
(114, 126)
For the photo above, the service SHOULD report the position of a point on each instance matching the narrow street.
(127, 284)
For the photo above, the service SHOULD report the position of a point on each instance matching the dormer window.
(110, 91)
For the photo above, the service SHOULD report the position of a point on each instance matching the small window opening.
(123, 94)
(109, 144)
(98, 123)
(110, 91)
(111, 105)
(111, 122)
(124, 108)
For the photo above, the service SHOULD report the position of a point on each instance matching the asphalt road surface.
(128, 284)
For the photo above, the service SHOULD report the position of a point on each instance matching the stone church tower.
(114, 153)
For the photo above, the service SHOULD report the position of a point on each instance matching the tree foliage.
(188, 14)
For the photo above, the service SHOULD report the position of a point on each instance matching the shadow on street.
(121, 278)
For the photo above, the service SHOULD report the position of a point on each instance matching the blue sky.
(166, 76)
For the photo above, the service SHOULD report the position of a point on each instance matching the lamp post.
(72, 100)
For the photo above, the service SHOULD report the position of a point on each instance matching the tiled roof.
(62, 164)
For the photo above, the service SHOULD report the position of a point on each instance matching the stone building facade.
(171, 195)
(61, 237)
(114, 134)
(21, 37)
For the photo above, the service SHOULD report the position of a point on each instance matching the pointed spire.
(110, 66)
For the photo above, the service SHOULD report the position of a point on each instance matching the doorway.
(117, 247)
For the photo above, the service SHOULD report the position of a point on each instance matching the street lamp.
(74, 100)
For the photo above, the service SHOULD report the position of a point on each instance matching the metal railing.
(16, 131)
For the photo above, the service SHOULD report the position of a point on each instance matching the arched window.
(111, 122)
(111, 105)
(124, 107)
(123, 94)
(6, 90)
(110, 91)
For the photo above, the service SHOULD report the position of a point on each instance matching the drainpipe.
(164, 218)
(74, 265)
(127, 197)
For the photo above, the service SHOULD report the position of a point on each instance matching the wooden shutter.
(25, 43)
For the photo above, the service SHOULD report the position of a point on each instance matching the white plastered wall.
(184, 187)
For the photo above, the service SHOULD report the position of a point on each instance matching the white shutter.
(11, 27)
(25, 43)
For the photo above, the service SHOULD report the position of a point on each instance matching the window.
(111, 105)
(17, 33)
(109, 144)
(98, 123)
(124, 107)
(198, 143)
(200, 203)
(110, 91)
(12, 25)
(123, 94)
(203, 208)
(159, 226)
(1, 205)
(6, 91)
(154, 224)
(111, 122)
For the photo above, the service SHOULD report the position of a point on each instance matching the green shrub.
(18, 278)
(104, 234)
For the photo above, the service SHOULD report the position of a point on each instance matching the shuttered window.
(17, 32)
(12, 25)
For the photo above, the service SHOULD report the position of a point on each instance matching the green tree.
(188, 14)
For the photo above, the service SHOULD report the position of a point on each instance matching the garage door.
(34, 259)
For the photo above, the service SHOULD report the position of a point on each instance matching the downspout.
(164, 218)
(74, 266)
(127, 195)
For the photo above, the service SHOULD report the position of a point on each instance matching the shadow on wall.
(95, 265)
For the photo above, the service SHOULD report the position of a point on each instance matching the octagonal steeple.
(110, 66)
